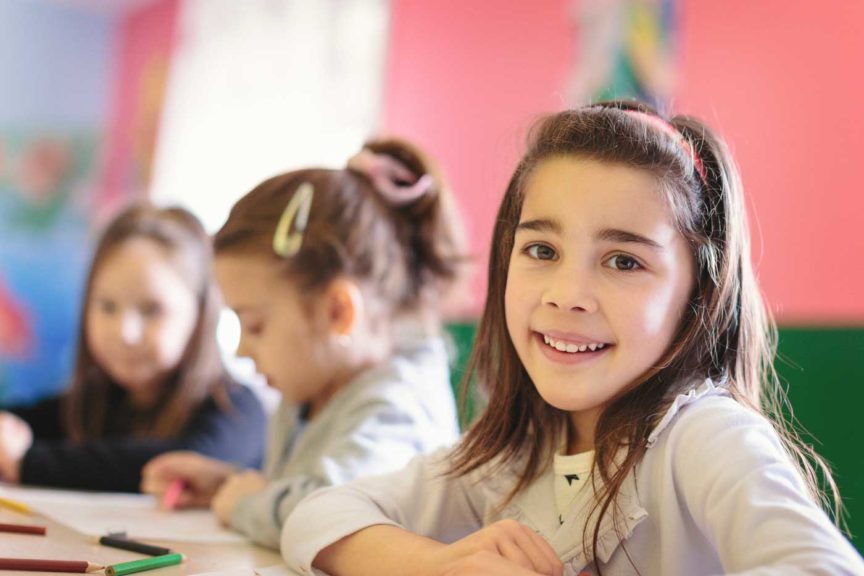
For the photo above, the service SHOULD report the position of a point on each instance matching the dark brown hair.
(408, 255)
(726, 333)
(200, 372)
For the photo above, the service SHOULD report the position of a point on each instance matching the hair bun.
(392, 179)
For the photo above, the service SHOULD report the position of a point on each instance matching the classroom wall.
(54, 72)
(146, 39)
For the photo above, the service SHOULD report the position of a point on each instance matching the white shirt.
(715, 493)
(571, 476)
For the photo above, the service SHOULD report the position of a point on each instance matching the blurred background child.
(148, 375)
(337, 277)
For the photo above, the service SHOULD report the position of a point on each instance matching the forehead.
(138, 264)
(571, 189)
(247, 280)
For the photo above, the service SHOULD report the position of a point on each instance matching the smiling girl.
(627, 355)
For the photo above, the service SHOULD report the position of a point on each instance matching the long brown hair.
(408, 255)
(200, 372)
(726, 333)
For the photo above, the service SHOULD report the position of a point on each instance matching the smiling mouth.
(572, 347)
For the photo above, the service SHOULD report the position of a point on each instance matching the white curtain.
(258, 87)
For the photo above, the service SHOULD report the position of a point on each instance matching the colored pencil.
(32, 565)
(173, 493)
(23, 528)
(15, 505)
(142, 565)
(133, 546)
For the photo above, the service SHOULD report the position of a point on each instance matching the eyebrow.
(615, 235)
(607, 234)
(540, 225)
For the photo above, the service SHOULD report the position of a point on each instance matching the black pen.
(133, 546)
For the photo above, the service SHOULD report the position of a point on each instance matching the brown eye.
(540, 252)
(624, 263)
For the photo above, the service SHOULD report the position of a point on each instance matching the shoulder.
(416, 374)
(243, 398)
(719, 423)
(239, 401)
(715, 440)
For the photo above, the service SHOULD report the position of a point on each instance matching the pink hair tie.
(392, 179)
(669, 129)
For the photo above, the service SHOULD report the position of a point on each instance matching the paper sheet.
(278, 570)
(98, 513)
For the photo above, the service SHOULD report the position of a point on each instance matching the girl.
(627, 354)
(148, 377)
(337, 277)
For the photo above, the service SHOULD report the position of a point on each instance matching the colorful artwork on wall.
(622, 49)
(46, 181)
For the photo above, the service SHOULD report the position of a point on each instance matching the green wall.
(824, 372)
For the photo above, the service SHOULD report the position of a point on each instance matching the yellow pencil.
(16, 506)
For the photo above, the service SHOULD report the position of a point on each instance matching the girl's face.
(285, 335)
(140, 317)
(599, 278)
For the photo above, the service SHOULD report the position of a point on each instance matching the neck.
(580, 437)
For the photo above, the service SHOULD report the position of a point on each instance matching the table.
(62, 543)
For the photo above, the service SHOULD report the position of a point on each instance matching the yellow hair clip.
(288, 239)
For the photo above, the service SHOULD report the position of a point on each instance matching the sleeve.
(44, 418)
(375, 435)
(114, 464)
(749, 499)
(421, 498)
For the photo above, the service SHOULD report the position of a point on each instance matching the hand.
(16, 438)
(483, 563)
(505, 547)
(236, 488)
(201, 475)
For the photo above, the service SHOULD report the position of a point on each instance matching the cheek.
(170, 338)
(96, 333)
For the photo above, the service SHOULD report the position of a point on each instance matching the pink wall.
(466, 82)
(145, 44)
(782, 82)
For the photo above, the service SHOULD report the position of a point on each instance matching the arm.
(368, 437)
(750, 501)
(114, 464)
(417, 517)
(417, 505)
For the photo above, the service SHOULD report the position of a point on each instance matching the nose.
(571, 288)
(131, 328)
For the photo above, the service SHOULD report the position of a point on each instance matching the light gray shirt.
(714, 494)
(376, 424)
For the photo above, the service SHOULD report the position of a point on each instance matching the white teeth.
(571, 348)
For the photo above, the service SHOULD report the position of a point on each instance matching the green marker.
(142, 565)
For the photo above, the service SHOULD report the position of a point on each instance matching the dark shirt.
(114, 463)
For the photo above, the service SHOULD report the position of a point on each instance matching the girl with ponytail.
(337, 277)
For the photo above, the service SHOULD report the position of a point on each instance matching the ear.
(345, 306)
